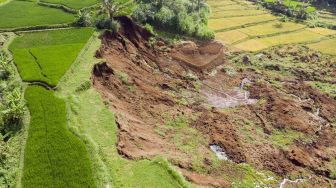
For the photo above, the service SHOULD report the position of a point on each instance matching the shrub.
(84, 19)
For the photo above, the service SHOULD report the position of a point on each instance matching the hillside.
(218, 93)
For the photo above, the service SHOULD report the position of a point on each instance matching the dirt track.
(144, 83)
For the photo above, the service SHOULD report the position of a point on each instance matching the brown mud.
(145, 82)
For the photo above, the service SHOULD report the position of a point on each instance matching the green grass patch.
(325, 46)
(92, 119)
(230, 37)
(54, 157)
(284, 138)
(226, 23)
(76, 4)
(46, 56)
(325, 88)
(17, 14)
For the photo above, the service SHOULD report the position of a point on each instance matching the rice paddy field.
(75, 4)
(46, 55)
(54, 157)
(247, 27)
(19, 14)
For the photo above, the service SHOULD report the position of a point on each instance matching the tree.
(114, 7)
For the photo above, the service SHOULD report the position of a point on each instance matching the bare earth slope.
(177, 100)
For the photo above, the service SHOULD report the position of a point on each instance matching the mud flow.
(184, 102)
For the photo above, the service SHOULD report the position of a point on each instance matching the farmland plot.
(54, 157)
(46, 56)
(248, 27)
(75, 4)
(227, 23)
(17, 14)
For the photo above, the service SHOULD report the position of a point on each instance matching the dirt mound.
(199, 57)
(159, 94)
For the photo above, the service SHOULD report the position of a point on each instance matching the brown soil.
(144, 82)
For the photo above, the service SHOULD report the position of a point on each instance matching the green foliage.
(188, 17)
(48, 59)
(291, 8)
(54, 157)
(76, 4)
(12, 104)
(253, 178)
(24, 13)
(84, 19)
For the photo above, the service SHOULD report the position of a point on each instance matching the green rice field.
(45, 56)
(54, 157)
(75, 4)
(18, 14)
(250, 28)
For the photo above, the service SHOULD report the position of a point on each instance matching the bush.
(108, 24)
(84, 19)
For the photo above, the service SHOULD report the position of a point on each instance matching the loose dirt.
(146, 82)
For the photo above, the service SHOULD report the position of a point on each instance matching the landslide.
(175, 100)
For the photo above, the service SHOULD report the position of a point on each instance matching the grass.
(17, 14)
(325, 46)
(271, 28)
(230, 37)
(226, 23)
(330, 89)
(252, 45)
(45, 56)
(95, 123)
(284, 138)
(231, 7)
(297, 37)
(73, 3)
(54, 157)
(322, 31)
(263, 43)
(232, 13)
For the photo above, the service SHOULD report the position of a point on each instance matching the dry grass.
(226, 23)
(233, 13)
(297, 37)
(271, 28)
(322, 31)
(325, 46)
(252, 45)
(230, 37)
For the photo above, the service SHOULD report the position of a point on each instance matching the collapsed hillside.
(181, 101)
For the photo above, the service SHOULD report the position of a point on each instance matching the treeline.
(292, 8)
(187, 17)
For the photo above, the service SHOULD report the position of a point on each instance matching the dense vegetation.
(54, 157)
(27, 14)
(12, 108)
(291, 8)
(188, 17)
(48, 59)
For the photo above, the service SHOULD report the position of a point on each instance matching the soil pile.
(150, 85)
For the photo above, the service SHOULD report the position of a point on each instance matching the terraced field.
(18, 14)
(48, 59)
(245, 26)
(73, 3)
